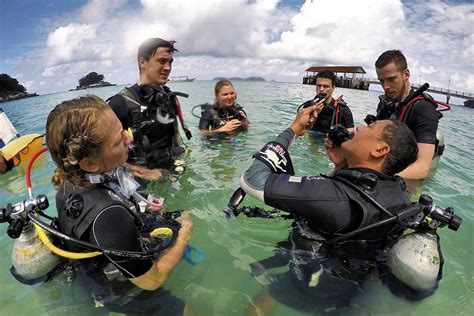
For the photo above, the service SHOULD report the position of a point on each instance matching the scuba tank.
(415, 260)
(31, 259)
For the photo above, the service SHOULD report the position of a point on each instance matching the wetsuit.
(100, 216)
(154, 123)
(421, 117)
(214, 117)
(325, 207)
(329, 205)
(334, 112)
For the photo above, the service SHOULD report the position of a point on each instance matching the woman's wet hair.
(403, 147)
(73, 133)
(220, 84)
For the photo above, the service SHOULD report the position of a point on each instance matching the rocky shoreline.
(17, 96)
(94, 85)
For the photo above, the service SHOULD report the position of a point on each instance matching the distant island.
(11, 89)
(240, 79)
(92, 80)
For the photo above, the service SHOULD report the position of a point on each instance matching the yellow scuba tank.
(415, 260)
(31, 259)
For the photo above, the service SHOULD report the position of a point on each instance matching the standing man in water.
(421, 116)
(330, 112)
(150, 110)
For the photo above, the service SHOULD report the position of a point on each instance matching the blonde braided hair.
(72, 134)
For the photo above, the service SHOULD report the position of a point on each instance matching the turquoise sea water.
(222, 283)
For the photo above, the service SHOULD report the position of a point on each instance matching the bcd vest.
(78, 208)
(220, 116)
(141, 114)
(330, 115)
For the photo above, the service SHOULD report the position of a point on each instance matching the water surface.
(222, 283)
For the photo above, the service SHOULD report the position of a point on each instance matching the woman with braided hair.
(97, 203)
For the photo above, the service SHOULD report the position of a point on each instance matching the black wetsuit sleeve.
(423, 121)
(321, 201)
(347, 119)
(119, 106)
(206, 120)
(115, 227)
(257, 174)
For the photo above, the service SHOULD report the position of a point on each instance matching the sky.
(49, 45)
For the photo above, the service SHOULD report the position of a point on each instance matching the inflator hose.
(41, 233)
(62, 253)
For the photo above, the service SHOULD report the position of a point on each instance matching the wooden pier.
(352, 77)
(447, 92)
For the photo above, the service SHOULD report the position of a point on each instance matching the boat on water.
(182, 79)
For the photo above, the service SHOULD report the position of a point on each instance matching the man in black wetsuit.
(151, 111)
(421, 116)
(332, 205)
(376, 152)
(330, 112)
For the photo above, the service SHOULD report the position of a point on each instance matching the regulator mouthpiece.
(339, 134)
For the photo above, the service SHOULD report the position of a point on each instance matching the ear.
(235, 95)
(380, 151)
(89, 165)
(406, 74)
(142, 63)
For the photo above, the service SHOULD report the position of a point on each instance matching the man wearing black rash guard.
(330, 206)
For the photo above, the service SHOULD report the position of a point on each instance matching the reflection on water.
(222, 284)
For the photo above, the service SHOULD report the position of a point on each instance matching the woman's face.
(114, 152)
(226, 96)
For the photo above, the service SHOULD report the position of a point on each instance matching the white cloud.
(69, 43)
(245, 38)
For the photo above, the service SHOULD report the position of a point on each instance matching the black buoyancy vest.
(330, 115)
(146, 152)
(78, 208)
(390, 109)
(390, 193)
(219, 118)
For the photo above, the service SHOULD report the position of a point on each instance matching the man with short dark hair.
(377, 151)
(328, 206)
(150, 109)
(420, 116)
(331, 112)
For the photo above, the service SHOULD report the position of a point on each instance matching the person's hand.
(304, 120)
(230, 126)
(242, 113)
(145, 173)
(319, 105)
(335, 154)
(186, 226)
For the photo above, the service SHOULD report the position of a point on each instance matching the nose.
(128, 137)
(167, 67)
(385, 85)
